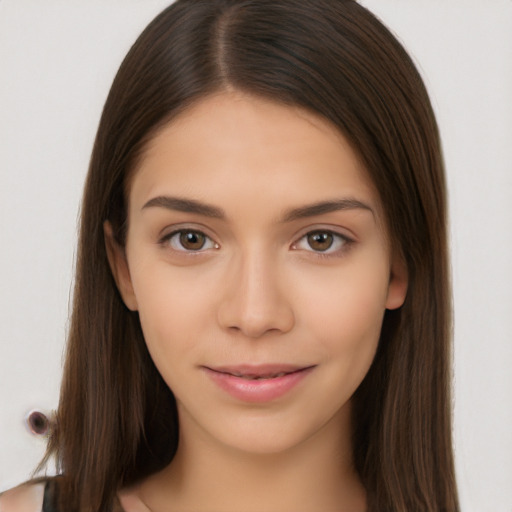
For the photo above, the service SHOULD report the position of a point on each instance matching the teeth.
(260, 377)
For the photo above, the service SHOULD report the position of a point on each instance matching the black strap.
(50, 494)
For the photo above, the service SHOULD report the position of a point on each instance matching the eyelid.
(345, 240)
(165, 239)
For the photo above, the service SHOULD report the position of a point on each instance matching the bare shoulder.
(24, 498)
(129, 500)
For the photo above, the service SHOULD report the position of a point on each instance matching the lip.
(257, 383)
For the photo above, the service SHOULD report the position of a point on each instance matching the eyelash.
(341, 242)
(167, 240)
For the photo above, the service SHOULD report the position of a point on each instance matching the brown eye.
(192, 240)
(320, 240)
(323, 243)
(188, 240)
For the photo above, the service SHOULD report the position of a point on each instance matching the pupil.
(320, 241)
(192, 240)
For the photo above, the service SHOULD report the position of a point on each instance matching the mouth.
(263, 372)
(260, 377)
(261, 383)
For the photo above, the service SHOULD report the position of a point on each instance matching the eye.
(188, 240)
(322, 241)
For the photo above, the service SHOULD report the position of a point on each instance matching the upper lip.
(263, 370)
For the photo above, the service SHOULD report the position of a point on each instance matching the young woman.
(261, 315)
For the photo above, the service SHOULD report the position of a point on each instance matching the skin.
(24, 498)
(260, 290)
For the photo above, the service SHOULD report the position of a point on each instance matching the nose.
(255, 299)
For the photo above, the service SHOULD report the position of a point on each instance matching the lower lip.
(257, 391)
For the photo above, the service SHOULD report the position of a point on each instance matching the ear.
(119, 267)
(398, 283)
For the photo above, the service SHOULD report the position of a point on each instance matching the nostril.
(38, 423)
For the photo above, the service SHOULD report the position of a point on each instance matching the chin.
(267, 432)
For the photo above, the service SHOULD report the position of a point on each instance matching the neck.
(317, 474)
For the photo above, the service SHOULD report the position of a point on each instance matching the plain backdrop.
(57, 61)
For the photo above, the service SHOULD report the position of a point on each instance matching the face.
(258, 261)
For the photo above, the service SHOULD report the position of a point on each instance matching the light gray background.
(57, 61)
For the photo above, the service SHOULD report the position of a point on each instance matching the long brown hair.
(117, 420)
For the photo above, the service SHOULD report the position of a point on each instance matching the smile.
(257, 384)
(259, 377)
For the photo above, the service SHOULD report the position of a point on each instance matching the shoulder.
(128, 500)
(29, 497)
(24, 498)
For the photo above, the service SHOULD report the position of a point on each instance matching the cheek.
(346, 319)
(172, 312)
(347, 304)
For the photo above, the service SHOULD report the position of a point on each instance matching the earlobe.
(119, 267)
(398, 283)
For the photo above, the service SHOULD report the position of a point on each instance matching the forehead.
(234, 143)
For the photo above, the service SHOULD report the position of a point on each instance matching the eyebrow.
(323, 207)
(312, 210)
(185, 205)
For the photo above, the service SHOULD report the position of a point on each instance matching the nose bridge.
(256, 300)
